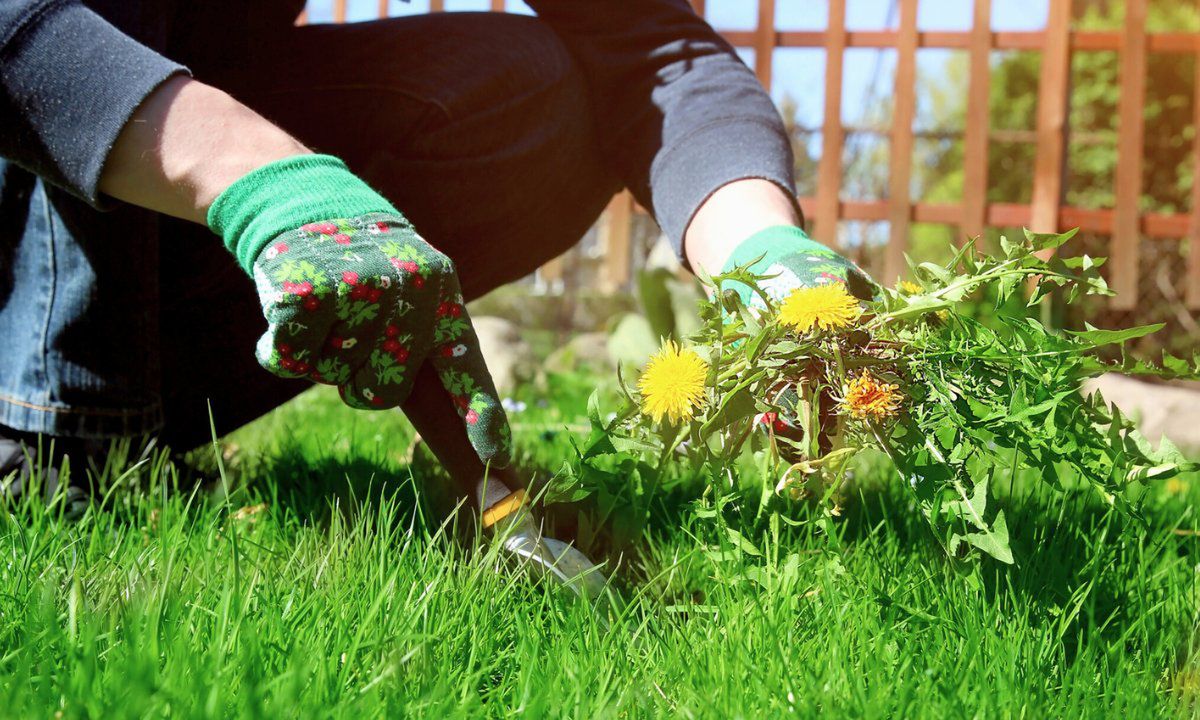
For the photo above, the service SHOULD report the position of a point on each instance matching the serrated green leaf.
(1097, 337)
(994, 541)
(736, 405)
(1048, 241)
(741, 543)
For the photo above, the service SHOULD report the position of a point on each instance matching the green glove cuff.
(772, 245)
(284, 195)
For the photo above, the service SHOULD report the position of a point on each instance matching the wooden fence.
(1125, 222)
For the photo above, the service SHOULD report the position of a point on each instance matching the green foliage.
(666, 309)
(979, 400)
(347, 595)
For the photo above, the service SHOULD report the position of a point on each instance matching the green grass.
(347, 596)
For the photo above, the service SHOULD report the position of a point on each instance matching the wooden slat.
(552, 272)
(1173, 42)
(1193, 274)
(1131, 128)
(1052, 119)
(339, 11)
(1095, 220)
(383, 9)
(1163, 225)
(764, 42)
(829, 168)
(975, 140)
(1167, 42)
(904, 98)
(616, 242)
(996, 135)
(497, 5)
(437, 5)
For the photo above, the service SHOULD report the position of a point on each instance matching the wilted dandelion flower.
(867, 398)
(828, 307)
(672, 385)
(908, 287)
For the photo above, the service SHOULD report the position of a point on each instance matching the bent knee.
(509, 62)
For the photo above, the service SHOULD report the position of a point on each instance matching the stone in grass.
(1159, 410)
(509, 358)
(583, 351)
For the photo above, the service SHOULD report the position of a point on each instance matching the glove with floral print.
(353, 296)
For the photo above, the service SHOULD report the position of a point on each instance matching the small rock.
(1158, 410)
(249, 512)
(509, 358)
(588, 350)
(662, 255)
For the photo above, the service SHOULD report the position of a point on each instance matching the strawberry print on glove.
(361, 303)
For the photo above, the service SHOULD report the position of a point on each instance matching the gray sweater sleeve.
(678, 111)
(69, 81)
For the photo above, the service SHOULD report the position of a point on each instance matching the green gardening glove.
(353, 296)
(795, 261)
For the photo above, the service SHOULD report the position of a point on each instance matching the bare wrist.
(731, 214)
(185, 144)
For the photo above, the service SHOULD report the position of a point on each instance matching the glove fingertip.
(490, 435)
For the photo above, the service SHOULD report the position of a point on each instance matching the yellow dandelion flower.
(908, 287)
(672, 384)
(867, 398)
(827, 307)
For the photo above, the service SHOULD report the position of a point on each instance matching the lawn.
(317, 578)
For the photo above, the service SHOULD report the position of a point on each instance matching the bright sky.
(798, 72)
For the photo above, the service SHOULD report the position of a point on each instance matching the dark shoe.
(32, 468)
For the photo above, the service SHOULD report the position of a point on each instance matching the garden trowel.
(519, 532)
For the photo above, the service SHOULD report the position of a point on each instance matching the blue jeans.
(125, 322)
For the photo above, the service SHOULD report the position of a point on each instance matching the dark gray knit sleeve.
(69, 81)
(678, 111)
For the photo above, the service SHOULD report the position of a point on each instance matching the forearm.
(730, 215)
(185, 144)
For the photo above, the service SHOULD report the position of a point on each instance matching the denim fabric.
(496, 135)
(78, 290)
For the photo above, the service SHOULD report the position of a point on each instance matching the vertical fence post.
(829, 168)
(437, 5)
(551, 274)
(1052, 118)
(339, 11)
(497, 5)
(615, 239)
(1131, 126)
(383, 9)
(764, 42)
(1193, 275)
(975, 140)
(900, 158)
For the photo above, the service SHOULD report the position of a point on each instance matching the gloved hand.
(796, 261)
(353, 296)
